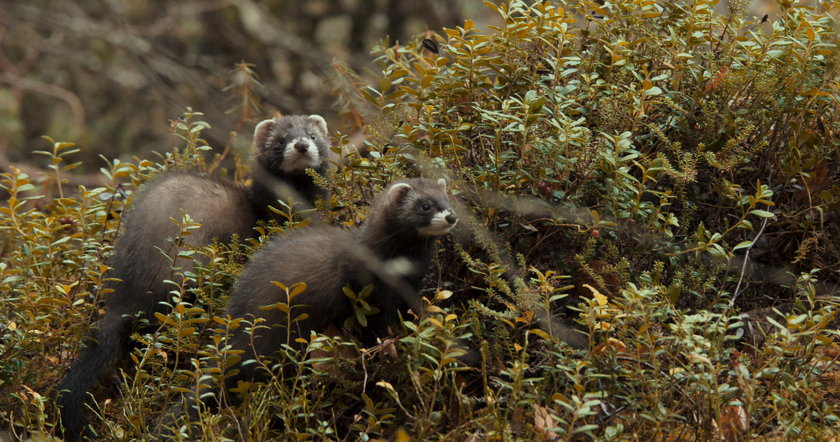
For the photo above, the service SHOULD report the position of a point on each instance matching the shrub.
(652, 170)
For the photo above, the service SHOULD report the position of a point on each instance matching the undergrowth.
(662, 176)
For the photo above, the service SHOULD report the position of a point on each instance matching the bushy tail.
(106, 344)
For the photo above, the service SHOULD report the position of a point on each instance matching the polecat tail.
(106, 344)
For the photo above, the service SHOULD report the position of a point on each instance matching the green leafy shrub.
(648, 170)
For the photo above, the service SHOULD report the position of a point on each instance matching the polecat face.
(423, 204)
(292, 144)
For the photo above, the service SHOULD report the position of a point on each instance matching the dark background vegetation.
(109, 75)
(665, 175)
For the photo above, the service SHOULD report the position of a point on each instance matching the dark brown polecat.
(284, 148)
(392, 251)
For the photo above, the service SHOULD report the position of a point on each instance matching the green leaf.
(762, 213)
(652, 91)
(361, 318)
(536, 105)
(743, 244)
(366, 291)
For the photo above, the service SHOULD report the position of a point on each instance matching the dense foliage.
(663, 176)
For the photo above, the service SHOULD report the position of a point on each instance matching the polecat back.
(284, 148)
(392, 251)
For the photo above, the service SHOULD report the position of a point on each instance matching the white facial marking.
(399, 186)
(439, 225)
(396, 191)
(399, 267)
(295, 160)
(320, 122)
(262, 130)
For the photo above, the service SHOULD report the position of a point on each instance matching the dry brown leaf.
(543, 422)
(733, 422)
(613, 344)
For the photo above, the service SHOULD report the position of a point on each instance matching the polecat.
(284, 148)
(392, 251)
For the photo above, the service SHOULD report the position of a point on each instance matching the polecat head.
(421, 204)
(291, 144)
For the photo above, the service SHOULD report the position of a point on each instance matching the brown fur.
(139, 269)
(141, 261)
(330, 258)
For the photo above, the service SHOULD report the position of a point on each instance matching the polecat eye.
(425, 207)
(312, 136)
(281, 141)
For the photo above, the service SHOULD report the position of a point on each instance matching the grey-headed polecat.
(284, 148)
(392, 251)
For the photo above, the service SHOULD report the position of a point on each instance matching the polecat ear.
(262, 130)
(398, 191)
(442, 183)
(319, 123)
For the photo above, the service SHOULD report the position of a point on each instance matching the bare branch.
(52, 90)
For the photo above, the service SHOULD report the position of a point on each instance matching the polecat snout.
(284, 148)
(392, 251)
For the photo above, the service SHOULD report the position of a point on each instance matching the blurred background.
(110, 74)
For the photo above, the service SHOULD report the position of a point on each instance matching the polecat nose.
(301, 147)
(451, 218)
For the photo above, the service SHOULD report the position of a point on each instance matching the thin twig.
(746, 260)
(245, 92)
